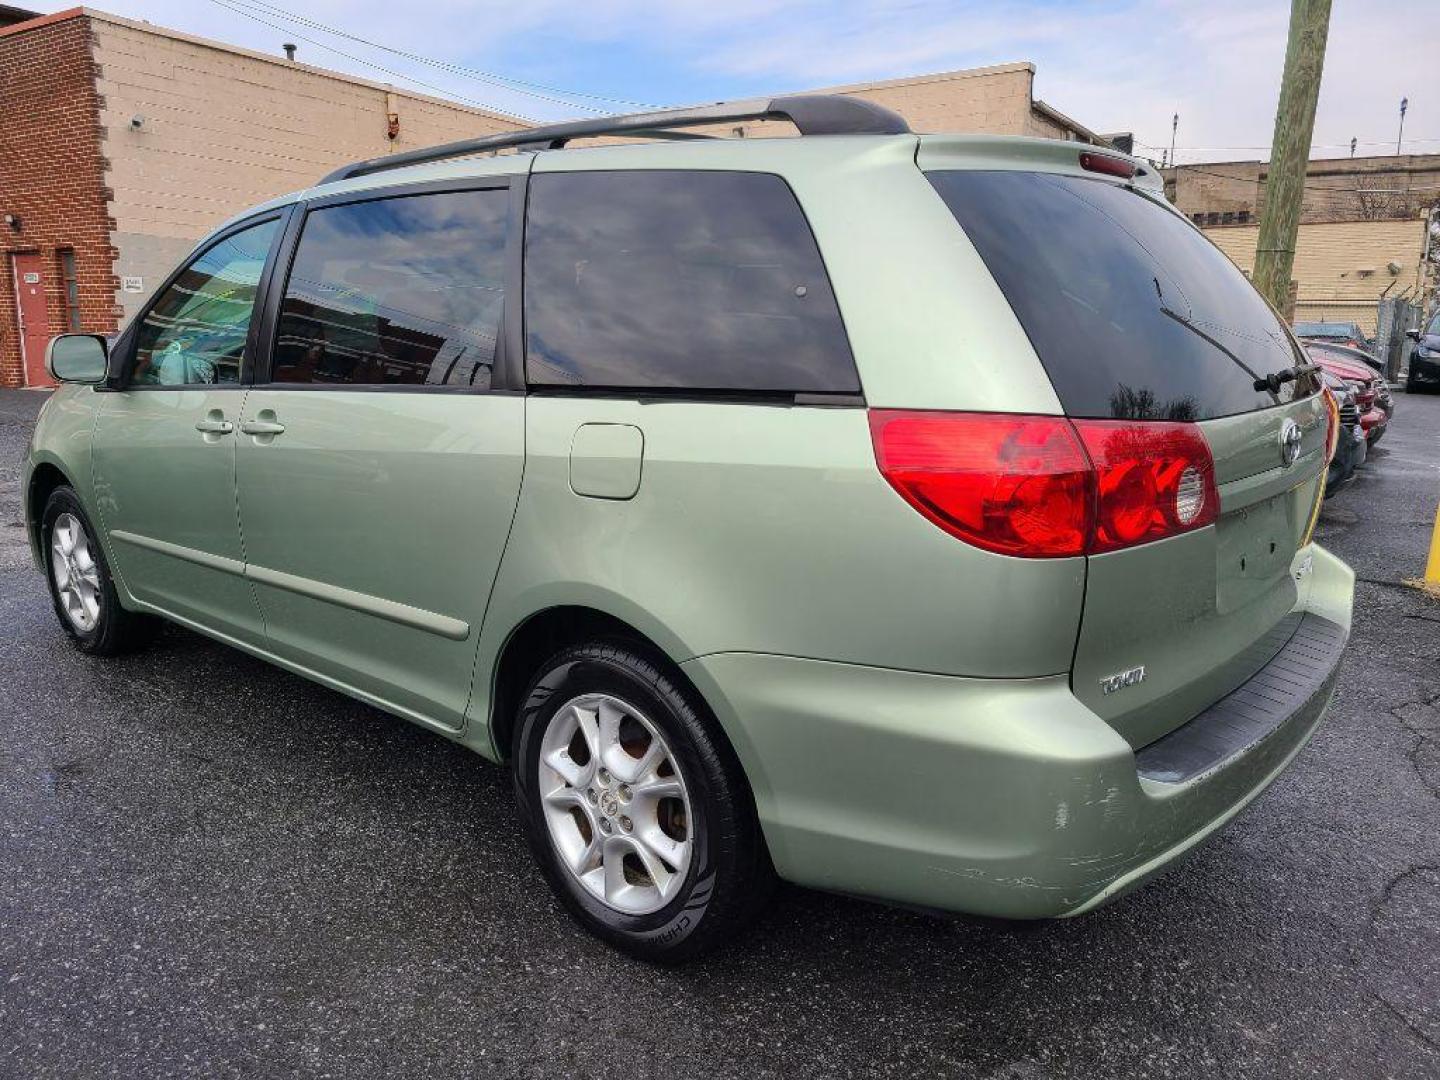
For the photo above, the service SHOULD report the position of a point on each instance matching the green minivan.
(920, 517)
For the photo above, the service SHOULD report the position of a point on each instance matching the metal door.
(34, 317)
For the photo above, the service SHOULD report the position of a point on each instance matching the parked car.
(1425, 358)
(1370, 360)
(1372, 395)
(1341, 333)
(917, 517)
(1383, 396)
(1348, 453)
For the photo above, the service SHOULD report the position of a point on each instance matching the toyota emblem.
(1289, 442)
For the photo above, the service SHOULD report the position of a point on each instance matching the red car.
(1367, 385)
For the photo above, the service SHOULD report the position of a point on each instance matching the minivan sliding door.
(378, 463)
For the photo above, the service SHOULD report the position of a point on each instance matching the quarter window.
(195, 332)
(406, 290)
(678, 280)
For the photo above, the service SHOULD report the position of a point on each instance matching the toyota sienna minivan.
(920, 517)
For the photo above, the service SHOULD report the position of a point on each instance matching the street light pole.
(1404, 104)
(1174, 126)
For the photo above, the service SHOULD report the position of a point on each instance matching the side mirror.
(1413, 335)
(78, 358)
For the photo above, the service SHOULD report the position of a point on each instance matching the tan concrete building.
(996, 100)
(1362, 233)
(1336, 189)
(1342, 268)
(125, 142)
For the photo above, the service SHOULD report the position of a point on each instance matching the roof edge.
(43, 20)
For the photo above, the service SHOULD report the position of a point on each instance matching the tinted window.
(1132, 311)
(678, 280)
(195, 332)
(404, 290)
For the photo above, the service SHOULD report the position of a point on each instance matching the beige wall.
(994, 100)
(227, 128)
(1341, 267)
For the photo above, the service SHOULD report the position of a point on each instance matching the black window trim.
(124, 349)
(502, 377)
(647, 394)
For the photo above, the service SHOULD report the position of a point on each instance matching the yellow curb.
(1432, 565)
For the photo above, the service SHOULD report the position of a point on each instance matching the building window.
(1212, 218)
(69, 290)
(1242, 216)
(1198, 218)
(1227, 218)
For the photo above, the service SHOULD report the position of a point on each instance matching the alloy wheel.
(77, 578)
(615, 803)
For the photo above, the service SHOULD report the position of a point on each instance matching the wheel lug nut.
(626, 824)
(605, 825)
(592, 796)
(624, 792)
(605, 776)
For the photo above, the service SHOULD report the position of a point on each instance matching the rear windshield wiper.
(1277, 379)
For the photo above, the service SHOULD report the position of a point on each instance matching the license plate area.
(1254, 548)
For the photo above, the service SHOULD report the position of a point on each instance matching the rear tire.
(81, 586)
(660, 855)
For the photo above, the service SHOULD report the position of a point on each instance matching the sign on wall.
(132, 284)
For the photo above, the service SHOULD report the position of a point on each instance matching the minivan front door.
(164, 445)
(377, 472)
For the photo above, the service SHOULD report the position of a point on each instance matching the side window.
(195, 332)
(678, 280)
(402, 290)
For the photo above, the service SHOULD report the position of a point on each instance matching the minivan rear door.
(1136, 316)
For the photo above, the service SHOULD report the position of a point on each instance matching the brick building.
(1362, 233)
(125, 142)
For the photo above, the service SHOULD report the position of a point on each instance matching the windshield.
(1134, 314)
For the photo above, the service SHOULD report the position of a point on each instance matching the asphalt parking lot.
(212, 868)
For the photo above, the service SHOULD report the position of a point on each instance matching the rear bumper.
(997, 797)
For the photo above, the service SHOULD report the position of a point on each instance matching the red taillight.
(1045, 486)
(1152, 480)
(1019, 485)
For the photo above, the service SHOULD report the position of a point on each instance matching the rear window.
(671, 280)
(1134, 314)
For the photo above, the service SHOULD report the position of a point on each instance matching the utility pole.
(1174, 126)
(1404, 104)
(1294, 126)
(1353, 141)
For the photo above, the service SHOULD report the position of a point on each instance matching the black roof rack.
(812, 114)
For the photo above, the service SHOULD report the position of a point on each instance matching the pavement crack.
(1423, 736)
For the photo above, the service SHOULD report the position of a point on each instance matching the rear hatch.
(1137, 317)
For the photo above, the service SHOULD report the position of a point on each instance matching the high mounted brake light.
(1046, 486)
(1110, 166)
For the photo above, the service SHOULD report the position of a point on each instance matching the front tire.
(634, 806)
(81, 585)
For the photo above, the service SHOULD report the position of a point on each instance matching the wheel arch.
(545, 632)
(44, 479)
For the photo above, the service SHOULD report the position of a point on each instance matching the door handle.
(262, 427)
(214, 427)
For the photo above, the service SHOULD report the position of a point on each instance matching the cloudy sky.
(1121, 65)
